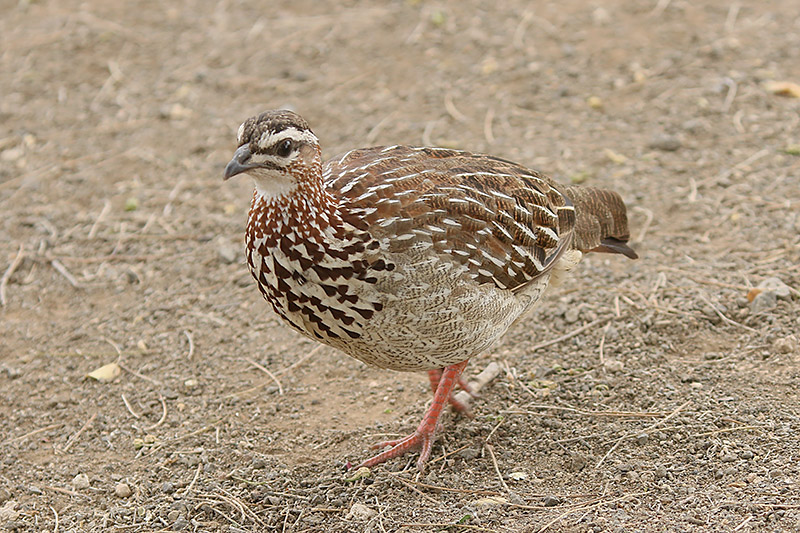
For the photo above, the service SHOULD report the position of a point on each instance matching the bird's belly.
(434, 316)
(424, 314)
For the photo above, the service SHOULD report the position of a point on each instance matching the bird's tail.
(601, 221)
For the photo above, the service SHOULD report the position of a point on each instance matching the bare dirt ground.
(675, 407)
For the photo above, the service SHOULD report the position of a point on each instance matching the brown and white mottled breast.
(507, 224)
(313, 274)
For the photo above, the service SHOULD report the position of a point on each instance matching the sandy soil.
(655, 395)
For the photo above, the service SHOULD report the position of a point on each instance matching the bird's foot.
(399, 447)
(424, 435)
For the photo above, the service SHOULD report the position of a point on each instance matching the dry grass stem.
(103, 212)
(268, 373)
(138, 375)
(163, 414)
(411, 486)
(75, 437)
(446, 489)
(620, 414)
(31, 433)
(728, 430)
(490, 449)
(55, 526)
(571, 334)
(724, 318)
(452, 110)
(191, 344)
(128, 407)
(645, 430)
(10, 272)
(300, 361)
(61, 269)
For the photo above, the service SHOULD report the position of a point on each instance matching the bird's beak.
(238, 164)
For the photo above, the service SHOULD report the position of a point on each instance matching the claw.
(425, 434)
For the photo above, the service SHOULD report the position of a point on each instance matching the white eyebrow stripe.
(269, 138)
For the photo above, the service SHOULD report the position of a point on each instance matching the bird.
(409, 258)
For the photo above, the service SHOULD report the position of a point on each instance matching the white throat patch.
(273, 184)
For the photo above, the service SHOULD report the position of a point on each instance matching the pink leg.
(425, 432)
(436, 375)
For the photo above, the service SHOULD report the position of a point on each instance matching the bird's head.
(278, 150)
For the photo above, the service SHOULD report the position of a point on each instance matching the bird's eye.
(284, 148)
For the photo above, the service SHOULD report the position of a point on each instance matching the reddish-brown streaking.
(409, 258)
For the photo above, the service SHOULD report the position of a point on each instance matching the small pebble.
(746, 454)
(666, 143)
(727, 457)
(361, 512)
(227, 253)
(167, 487)
(764, 301)
(571, 315)
(785, 345)
(642, 438)
(551, 501)
(468, 453)
(122, 490)
(80, 482)
(173, 515)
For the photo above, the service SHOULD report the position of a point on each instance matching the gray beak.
(238, 164)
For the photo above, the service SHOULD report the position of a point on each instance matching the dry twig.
(10, 272)
(163, 414)
(74, 438)
(268, 373)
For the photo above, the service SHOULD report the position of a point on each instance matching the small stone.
(614, 366)
(4, 495)
(600, 17)
(785, 344)
(167, 487)
(727, 457)
(361, 512)
(80, 482)
(571, 315)
(551, 501)
(469, 453)
(122, 490)
(746, 454)
(642, 438)
(173, 515)
(666, 143)
(775, 285)
(764, 301)
(227, 253)
(660, 472)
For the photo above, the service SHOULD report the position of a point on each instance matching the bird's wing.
(507, 224)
